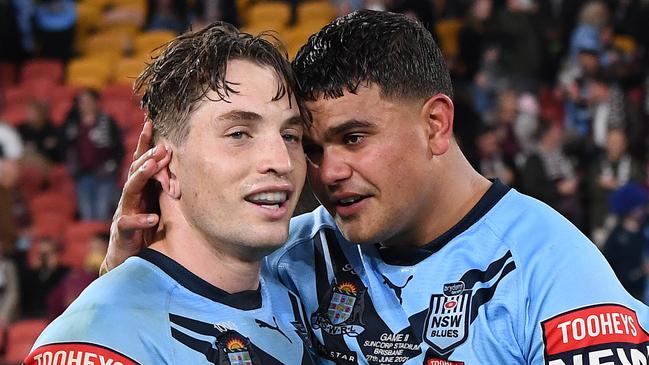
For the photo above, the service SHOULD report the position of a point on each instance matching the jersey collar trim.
(406, 256)
(245, 300)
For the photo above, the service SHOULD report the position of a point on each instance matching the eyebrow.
(240, 115)
(246, 116)
(346, 127)
(295, 120)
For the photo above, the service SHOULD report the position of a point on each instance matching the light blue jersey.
(150, 310)
(512, 283)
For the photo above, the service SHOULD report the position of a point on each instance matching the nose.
(275, 157)
(333, 168)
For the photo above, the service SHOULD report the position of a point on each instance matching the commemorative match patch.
(76, 353)
(601, 334)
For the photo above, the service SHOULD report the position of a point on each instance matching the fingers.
(156, 153)
(144, 142)
(135, 184)
(128, 224)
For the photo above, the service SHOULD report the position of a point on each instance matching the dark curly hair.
(371, 47)
(194, 63)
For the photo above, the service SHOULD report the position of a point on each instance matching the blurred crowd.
(551, 97)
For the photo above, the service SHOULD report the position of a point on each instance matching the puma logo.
(397, 289)
(263, 324)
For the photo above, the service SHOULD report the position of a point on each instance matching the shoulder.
(114, 303)
(114, 317)
(525, 223)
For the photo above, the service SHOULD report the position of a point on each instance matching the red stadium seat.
(16, 95)
(52, 202)
(50, 224)
(119, 92)
(41, 89)
(32, 179)
(59, 111)
(13, 114)
(76, 240)
(21, 337)
(42, 68)
(7, 74)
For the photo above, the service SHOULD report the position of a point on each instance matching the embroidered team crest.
(447, 321)
(342, 303)
(343, 312)
(237, 352)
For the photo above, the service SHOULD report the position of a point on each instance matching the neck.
(204, 258)
(451, 198)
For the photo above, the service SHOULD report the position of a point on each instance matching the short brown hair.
(196, 62)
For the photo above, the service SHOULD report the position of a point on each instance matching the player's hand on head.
(136, 217)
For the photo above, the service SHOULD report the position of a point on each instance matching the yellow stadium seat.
(255, 29)
(448, 32)
(277, 12)
(132, 15)
(139, 3)
(306, 26)
(148, 41)
(116, 43)
(127, 70)
(310, 10)
(89, 72)
(88, 16)
(125, 30)
(625, 44)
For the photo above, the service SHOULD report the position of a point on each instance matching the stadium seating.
(52, 201)
(89, 72)
(76, 240)
(20, 338)
(146, 42)
(42, 69)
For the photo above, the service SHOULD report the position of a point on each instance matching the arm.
(130, 223)
(9, 303)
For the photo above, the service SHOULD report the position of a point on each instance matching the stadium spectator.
(54, 24)
(77, 279)
(613, 168)
(492, 163)
(627, 243)
(39, 135)
(45, 272)
(11, 151)
(93, 154)
(549, 175)
(9, 293)
(170, 15)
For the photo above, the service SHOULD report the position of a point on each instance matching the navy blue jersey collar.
(245, 300)
(406, 256)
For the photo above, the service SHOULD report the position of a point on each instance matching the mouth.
(351, 200)
(271, 200)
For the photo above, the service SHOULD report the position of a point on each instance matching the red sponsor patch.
(76, 353)
(443, 362)
(592, 326)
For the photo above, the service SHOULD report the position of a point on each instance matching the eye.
(353, 139)
(238, 135)
(292, 137)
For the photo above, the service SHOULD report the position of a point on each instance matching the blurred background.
(551, 98)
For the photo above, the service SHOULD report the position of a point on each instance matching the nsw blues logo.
(447, 321)
(341, 314)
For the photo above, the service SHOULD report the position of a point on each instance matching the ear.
(438, 112)
(167, 178)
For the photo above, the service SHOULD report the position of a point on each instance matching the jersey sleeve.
(577, 312)
(116, 336)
